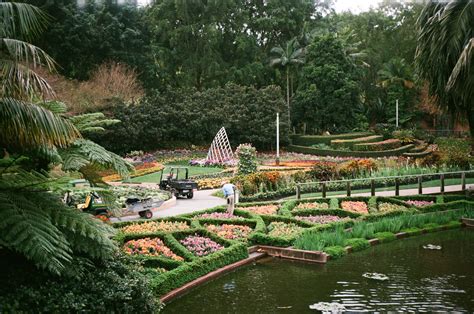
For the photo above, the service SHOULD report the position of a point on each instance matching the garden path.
(201, 200)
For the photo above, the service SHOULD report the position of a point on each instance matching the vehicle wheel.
(176, 195)
(148, 214)
(141, 214)
(190, 195)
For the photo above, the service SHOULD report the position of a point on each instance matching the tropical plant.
(23, 124)
(445, 54)
(286, 57)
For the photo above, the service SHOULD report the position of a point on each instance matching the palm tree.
(396, 71)
(286, 57)
(445, 55)
(23, 124)
(33, 221)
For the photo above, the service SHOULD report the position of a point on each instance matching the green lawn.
(427, 184)
(193, 170)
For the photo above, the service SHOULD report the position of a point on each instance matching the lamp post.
(278, 139)
(396, 114)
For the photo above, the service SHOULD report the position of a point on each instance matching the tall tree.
(288, 57)
(445, 55)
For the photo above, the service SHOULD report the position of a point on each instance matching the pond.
(419, 280)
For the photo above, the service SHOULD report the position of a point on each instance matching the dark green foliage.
(335, 251)
(177, 277)
(116, 285)
(346, 153)
(308, 140)
(247, 155)
(328, 92)
(357, 244)
(191, 117)
(385, 237)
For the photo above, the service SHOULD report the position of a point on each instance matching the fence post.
(348, 188)
(298, 192)
(441, 177)
(372, 187)
(324, 189)
(463, 181)
(397, 187)
(420, 185)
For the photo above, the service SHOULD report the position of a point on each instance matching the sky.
(355, 6)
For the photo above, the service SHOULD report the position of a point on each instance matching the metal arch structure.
(220, 149)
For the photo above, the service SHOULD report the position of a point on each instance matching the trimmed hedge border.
(350, 143)
(307, 140)
(347, 153)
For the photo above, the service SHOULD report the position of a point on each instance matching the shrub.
(357, 244)
(117, 285)
(379, 146)
(323, 170)
(405, 136)
(385, 237)
(335, 251)
(247, 159)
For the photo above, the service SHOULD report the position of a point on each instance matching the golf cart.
(176, 184)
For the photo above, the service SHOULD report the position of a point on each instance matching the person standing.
(229, 193)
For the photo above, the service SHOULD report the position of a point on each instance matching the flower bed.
(315, 205)
(417, 203)
(210, 183)
(149, 247)
(200, 246)
(320, 219)
(141, 170)
(388, 207)
(228, 231)
(217, 215)
(156, 226)
(262, 210)
(283, 230)
(355, 207)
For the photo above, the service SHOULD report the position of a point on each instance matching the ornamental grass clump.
(355, 207)
(155, 226)
(149, 247)
(319, 219)
(228, 231)
(314, 205)
(283, 230)
(200, 246)
(262, 210)
(317, 241)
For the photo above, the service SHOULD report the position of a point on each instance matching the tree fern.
(36, 224)
(92, 122)
(83, 152)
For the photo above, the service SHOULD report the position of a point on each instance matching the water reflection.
(419, 281)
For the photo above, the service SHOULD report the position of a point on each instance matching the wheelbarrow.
(143, 207)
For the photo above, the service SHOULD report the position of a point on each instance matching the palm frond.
(21, 51)
(21, 82)
(56, 107)
(21, 20)
(29, 125)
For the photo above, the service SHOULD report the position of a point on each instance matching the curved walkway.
(201, 200)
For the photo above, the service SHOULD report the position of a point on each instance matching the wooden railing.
(442, 176)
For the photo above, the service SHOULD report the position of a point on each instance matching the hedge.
(187, 272)
(378, 146)
(349, 143)
(308, 140)
(348, 153)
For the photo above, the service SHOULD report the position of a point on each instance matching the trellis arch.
(220, 149)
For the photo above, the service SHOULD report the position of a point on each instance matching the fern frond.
(84, 150)
(27, 229)
(92, 122)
